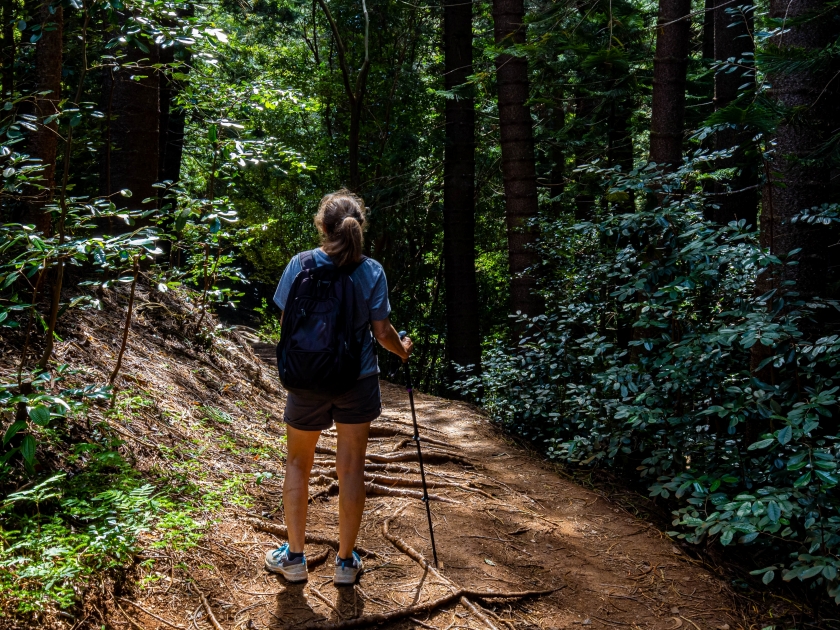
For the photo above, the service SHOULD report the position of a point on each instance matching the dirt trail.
(527, 529)
(206, 425)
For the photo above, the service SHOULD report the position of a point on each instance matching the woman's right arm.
(389, 338)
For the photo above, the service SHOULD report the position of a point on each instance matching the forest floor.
(205, 428)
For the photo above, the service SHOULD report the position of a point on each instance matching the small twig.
(213, 621)
(127, 326)
(318, 594)
(131, 621)
(151, 614)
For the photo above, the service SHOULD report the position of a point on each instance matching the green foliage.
(657, 377)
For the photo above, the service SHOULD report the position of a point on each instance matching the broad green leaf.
(27, 449)
(40, 415)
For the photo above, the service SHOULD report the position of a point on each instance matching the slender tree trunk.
(518, 162)
(708, 45)
(669, 80)
(463, 344)
(584, 199)
(737, 198)
(8, 29)
(43, 143)
(135, 130)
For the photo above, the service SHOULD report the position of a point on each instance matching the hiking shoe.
(346, 571)
(277, 561)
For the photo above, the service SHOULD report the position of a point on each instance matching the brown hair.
(341, 221)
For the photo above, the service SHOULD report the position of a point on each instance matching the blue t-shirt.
(371, 301)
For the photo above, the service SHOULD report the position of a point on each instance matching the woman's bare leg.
(350, 466)
(301, 453)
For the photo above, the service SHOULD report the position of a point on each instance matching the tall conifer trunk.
(43, 143)
(669, 80)
(462, 339)
(135, 128)
(518, 163)
(737, 198)
(8, 30)
(796, 180)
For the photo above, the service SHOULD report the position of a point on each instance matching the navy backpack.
(318, 350)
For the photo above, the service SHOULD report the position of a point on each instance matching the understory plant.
(656, 355)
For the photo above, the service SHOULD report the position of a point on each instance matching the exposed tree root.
(320, 477)
(410, 440)
(466, 603)
(383, 491)
(417, 609)
(280, 530)
(415, 555)
(331, 489)
(429, 457)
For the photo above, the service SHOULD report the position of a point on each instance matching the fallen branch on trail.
(410, 611)
(151, 614)
(331, 489)
(383, 491)
(280, 530)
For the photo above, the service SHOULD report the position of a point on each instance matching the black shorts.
(316, 413)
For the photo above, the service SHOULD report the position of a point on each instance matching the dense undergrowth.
(643, 363)
(98, 501)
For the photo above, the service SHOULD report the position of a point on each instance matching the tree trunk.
(518, 163)
(669, 80)
(173, 119)
(9, 19)
(43, 143)
(584, 199)
(796, 181)
(737, 198)
(135, 129)
(708, 45)
(463, 344)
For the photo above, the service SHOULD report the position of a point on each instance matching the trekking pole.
(409, 386)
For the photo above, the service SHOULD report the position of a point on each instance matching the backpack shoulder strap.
(349, 269)
(307, 260)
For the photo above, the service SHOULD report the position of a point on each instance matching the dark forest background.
(612, 223)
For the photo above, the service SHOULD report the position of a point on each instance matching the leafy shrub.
(643, 362)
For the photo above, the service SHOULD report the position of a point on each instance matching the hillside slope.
(202, 423)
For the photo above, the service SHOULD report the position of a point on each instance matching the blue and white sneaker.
(277, 561)
(346, 571)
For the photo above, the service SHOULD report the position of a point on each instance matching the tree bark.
(135, 128)
(463, 344)
(670, 64)
(173, 119)
(708, 45)
(737, 198)
(43, 143)
(518, 162)
(797, 179)
(9, 18)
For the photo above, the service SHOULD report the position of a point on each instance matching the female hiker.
(309, 409)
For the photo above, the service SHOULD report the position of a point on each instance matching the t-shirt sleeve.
(286, 280)
(380, 308)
